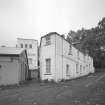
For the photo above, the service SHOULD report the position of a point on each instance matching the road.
(89, 90)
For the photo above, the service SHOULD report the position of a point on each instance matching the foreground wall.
(9, 70)
(47, 52)
(13, 68)
(66, 61)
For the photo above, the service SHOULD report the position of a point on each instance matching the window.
(48, 66)
(78, 54)
(80, 68)
(89, 66)
(48, 40)
(70, 49)
(21, 45)
(67, 69)
(84, 68)
(25, 45)
(30, 60)
(30, 46)
(76, 68)
(11, 59)
(84, 57)
(0, 66)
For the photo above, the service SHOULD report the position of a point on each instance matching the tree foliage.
(91, 40)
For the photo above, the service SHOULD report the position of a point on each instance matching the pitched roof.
(10, 51)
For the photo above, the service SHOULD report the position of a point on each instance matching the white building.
(60, 60)
(31, 46)
(13, 65)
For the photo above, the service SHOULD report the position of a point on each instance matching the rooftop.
(26, 39)
(10, 51)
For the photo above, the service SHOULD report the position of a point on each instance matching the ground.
(88, 90)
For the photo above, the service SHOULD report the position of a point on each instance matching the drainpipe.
(62, 58)
(55, 60)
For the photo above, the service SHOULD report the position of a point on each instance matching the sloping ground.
(88, 90)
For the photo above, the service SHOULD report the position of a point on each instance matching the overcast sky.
(35, 18)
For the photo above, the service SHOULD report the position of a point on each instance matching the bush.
(62, 80)
(46, 81)
(52, 81)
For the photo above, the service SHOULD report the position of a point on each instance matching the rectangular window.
(70, 49)
(48, 66)
(48, 40)
(30, 46)
(11, 59)
(21, 45)
(25, 45)
(76, 68)
(84, 57)
(80, 68)
(78, 54)
(84, 68)
(0, 66)
(30, 60)
(89, 66)
(67, 69)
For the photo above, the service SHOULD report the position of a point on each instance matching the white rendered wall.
(31, 52)
(58, 51)
(46, 52)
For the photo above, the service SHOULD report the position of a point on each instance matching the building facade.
(13, 66)
(60, 60)
(31, 46)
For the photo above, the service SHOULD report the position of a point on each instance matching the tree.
(101, 24)
(93, 41)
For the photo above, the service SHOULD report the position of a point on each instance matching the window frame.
(78, 54)
(21, 45)
(77, 68)
(48, 40)
(30, 61)
(26, 46)
(0, 66)
(48, 66)
(30, 45)
(80, 69)
(67, 70)
(70, 50)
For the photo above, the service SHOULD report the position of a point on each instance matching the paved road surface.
(88, 90)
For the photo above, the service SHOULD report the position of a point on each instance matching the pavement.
(88, 90)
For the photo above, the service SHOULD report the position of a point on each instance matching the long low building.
(61, 60)
(13, 65)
